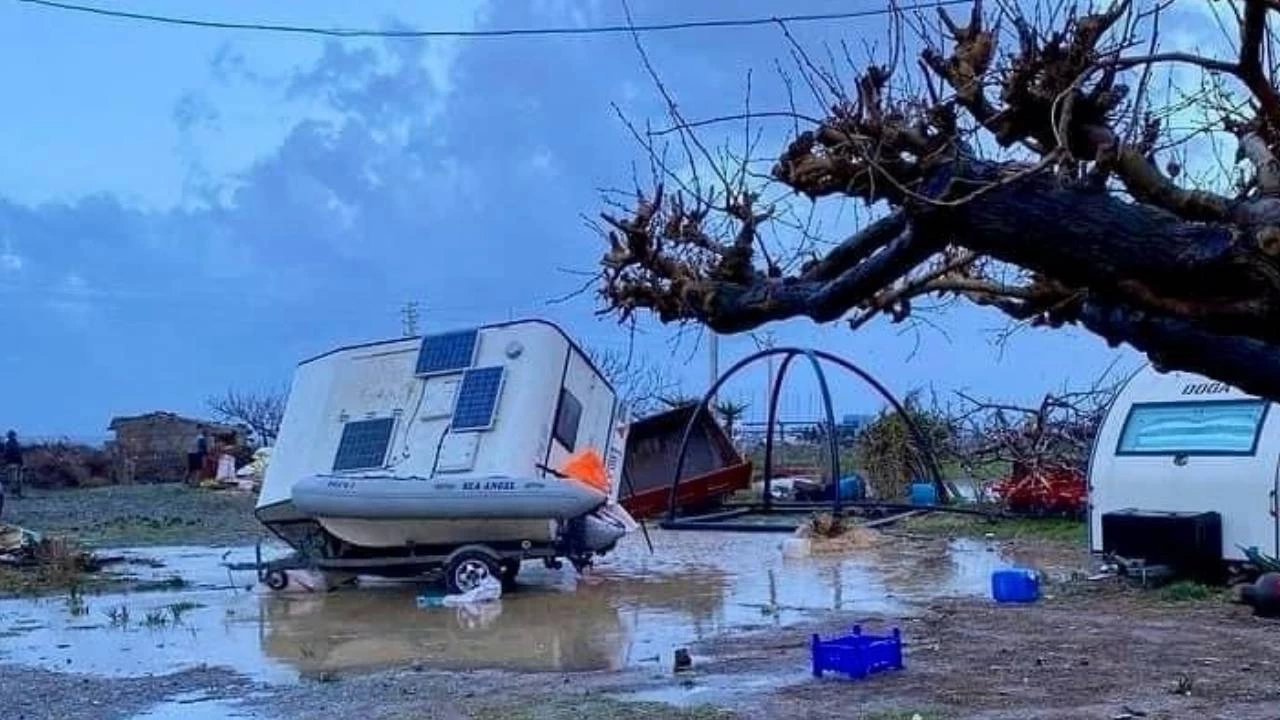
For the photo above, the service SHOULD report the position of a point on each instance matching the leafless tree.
(1021, 164)
(260, 412)
(1055, 434)
(640, 383)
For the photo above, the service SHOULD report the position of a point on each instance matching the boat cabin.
(509, 399)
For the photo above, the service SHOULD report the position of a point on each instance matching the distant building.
(854, 423)
(153, 447)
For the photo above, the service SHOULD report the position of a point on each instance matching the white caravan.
(416, 454)
(1178, 442)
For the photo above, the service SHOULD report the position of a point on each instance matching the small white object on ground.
(226, 467)
(796, 547)
(488, 590)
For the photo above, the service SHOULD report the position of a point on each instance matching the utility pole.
(409, 319)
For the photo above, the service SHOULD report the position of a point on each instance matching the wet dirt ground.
(602, 645)
(136, 515)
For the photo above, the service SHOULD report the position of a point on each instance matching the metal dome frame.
(720, 520)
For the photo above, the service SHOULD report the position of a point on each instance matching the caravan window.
(1227, 427)
(568, 416)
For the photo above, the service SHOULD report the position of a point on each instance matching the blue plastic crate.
(857, 655)
(1017, 585)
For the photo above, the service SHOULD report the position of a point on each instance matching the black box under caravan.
(1190, 543)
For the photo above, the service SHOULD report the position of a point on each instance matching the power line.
(507, 32)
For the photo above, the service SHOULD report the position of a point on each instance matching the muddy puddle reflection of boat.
(633, 609)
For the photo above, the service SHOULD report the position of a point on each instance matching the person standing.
(195, 458)
(13, 463)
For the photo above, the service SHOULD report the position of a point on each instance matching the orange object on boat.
(588, 468)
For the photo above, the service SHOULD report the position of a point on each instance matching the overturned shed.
(713, 468)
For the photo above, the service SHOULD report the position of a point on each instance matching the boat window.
(1225, 427)
(568, 416)
(363, 445)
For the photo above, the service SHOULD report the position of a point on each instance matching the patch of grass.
(178, 609)
(600, 707)
(119, 616)
(173, 582)
(1063, 530)
(1187, 591)
(76, 606)
(157, 618)
(53, 565)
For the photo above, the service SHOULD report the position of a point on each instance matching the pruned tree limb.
(1083, 221)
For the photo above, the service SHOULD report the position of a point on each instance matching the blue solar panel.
(447, 352)
(477, 399)
(363, 445)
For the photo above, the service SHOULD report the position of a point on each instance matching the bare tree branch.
(260, 412)
(1023, 178)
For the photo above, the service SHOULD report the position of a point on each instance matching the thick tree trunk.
(1249, 364)
(1212, 275)
(1202, 297)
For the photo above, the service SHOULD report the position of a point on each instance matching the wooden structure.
(153, 447)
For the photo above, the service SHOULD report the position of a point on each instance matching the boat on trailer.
(468, 451)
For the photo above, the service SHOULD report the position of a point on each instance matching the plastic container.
(857, 655)
(1017, 585)
(924, 494)
(852, 488)
(794, 547)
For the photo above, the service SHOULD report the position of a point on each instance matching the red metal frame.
(708, 488)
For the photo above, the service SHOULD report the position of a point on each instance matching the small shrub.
(157, 618)
(64, 464)
(1186, 591)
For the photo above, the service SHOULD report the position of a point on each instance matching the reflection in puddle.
(633, 609)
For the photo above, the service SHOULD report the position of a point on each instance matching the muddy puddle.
(195, 706)
(632, 610)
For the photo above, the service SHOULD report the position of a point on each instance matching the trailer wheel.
(468, 569)
(277, 579)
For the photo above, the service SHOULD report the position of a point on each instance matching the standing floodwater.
(631, 610)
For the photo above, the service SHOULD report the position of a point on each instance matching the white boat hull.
(445, 498)
(371, 533)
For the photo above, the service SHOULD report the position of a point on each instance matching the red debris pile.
(1043, 490)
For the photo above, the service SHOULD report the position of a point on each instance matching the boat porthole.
(514, 349)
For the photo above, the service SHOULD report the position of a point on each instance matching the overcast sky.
(184, 210)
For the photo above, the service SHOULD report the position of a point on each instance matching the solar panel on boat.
(447, 352)
(363, 444)
(477, 399)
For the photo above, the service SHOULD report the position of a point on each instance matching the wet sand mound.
(830, 535)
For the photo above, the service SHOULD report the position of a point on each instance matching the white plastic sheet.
(488, 590)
